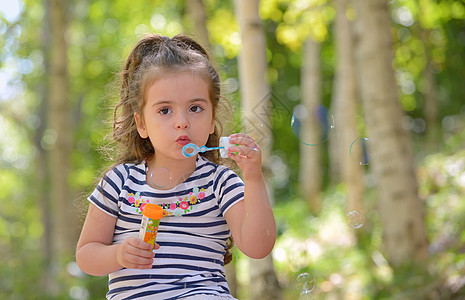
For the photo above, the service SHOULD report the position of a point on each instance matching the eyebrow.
(161, 102)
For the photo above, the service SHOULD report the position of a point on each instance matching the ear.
(212, 128)
(141, 126)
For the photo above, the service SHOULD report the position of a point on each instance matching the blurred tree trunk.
(255, 94)
(196, 12)
(42, 173)
(430, 108)
(311, 175)
(344, 105)
(64, 225)
(431, 99)
(400, 209)
(231, 277)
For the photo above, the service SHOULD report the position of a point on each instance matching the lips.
(183, 140)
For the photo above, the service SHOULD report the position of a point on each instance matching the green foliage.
(345, 263)
(298, 20)
(429, 35)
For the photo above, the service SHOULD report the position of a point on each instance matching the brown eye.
(196, 108)
(164, 111)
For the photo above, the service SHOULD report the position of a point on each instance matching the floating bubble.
(305, 283)
(261, 134)
(73, 270)
(355, 219)
(230, 85)
(312, 125)
(184, 182)
(360, 151)
(160, 177)
(78, 292)
(306, 296)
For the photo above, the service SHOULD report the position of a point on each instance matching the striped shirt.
(192, 234)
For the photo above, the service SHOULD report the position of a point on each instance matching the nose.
(182, 121)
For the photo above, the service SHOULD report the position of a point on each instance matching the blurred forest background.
(359, 106)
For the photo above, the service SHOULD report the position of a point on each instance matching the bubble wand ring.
(196, 149)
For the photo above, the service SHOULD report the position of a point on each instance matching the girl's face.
(177, 111)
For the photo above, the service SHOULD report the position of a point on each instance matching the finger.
(139, 244)
(248, 143)
(138, 248)
(241, 150)
(242, 139)
(237, 156)
(139, 260)
(139, 266)
(145, 254)
(234, 157)
(136, 262)
(134, 258)
(139, 253)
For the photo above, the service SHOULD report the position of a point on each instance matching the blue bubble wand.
(196, 149)
(192, 149)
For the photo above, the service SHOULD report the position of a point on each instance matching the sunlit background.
(329, 254)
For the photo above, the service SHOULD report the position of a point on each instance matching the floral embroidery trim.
(178, 208)
(137, 202)
(184, 205)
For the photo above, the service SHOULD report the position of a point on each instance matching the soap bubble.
(355, 219)
(74, 270)
(186, 187)
(312, 125)
(160, 177)
(306, 296)
(360, 151)
(187, 196)
(261, 134)
(78, 292)
(305, 283)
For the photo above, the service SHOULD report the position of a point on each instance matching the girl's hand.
(134, 253)
(247, 155)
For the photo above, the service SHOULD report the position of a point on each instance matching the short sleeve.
(228, 188)
(106, 194)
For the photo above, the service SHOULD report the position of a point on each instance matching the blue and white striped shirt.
(192, 234)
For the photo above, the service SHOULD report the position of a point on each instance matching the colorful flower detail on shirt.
(184, 205)
(136, 201)
(178, 208)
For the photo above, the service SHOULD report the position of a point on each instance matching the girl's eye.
(164, 111)
(196, 108)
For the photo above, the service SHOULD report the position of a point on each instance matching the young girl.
(169, 97)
